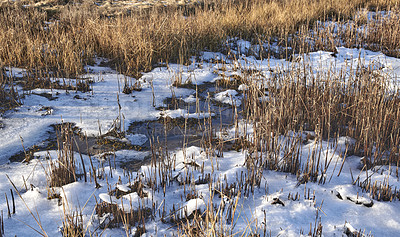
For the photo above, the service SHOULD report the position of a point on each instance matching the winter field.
(221, 118)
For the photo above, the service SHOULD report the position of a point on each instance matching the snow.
(191, 206)
(228, 97)
(137, 139)
(242, 87)
(107, 198)
(183, 113)
(123, 188)
(190, 99)
(96, 111)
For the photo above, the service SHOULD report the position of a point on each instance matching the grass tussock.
(63, 171)
(113, 216)
(9, 96)
(73, 225)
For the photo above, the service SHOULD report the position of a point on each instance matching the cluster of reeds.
(63, 170)
(377, 31)
(365, 34)
(9, 96)
(357, 103)
(113, 214)
(29, 41)
(379, 190)
(117, 216)
(73, 225)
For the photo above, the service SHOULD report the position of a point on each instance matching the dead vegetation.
(63, 171)
(56, 44)
(73, 225)
(9, 96)
(134, 42)
(113, 216)
(360, 106)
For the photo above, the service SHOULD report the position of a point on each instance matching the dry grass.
(361, 106)
(116, 216)
(60, 43)
(73, 225)
(9, 97)
(63, 171)
(135, 42)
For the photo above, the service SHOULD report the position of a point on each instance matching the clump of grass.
(116, 216)
(27, 41)
(112, 215)
(73, 225)
(388, 37)
(63, 170)
(9, 96)
(379, 190)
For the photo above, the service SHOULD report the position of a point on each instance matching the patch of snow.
(190, 99)
(228, 97)
(191, 206)
(137, 139)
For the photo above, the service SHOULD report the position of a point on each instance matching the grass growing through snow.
(59, 44)
(9, 97)
(361, 107)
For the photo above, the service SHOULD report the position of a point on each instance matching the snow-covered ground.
(274, 207)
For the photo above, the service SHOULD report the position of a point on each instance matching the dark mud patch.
(172, 133)
(112, 141)
(134, 165)
(48, 81)
(48, 96)
(179, 132)
(82, 144)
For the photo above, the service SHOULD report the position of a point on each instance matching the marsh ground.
(281, 130)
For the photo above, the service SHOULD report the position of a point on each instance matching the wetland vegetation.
(206, 118)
